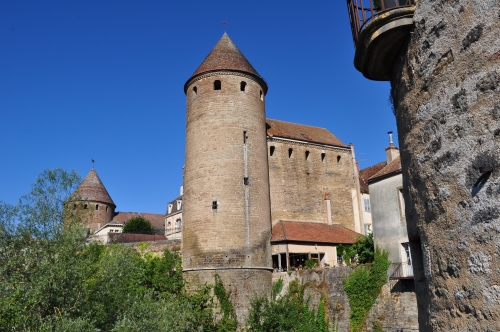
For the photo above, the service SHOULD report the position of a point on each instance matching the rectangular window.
(367, 205)
(401, 203)
(406, 247)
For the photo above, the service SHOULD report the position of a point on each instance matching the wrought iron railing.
(401, 271)
(361, 12)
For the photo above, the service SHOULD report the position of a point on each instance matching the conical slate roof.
(92, 189)
(226, 56)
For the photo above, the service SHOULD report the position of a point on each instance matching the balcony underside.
(380, 41)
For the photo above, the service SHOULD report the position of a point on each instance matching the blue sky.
(103, 80)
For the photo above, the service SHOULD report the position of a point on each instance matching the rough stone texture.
(446, 91)
(158, 247)
(395, 309)
(233, 239)
(299, 185)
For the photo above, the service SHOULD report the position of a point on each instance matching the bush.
(138, 225)
(311, 263)
(363, 287)
(289, 312)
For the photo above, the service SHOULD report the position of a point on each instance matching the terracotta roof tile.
(226, 56)
(123, 217)
(277, 128)
(156, 219)
(367, 173)
(92, 189)
(393, 167)
(312, 232)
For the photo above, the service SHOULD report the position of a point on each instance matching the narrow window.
(195, 90)
(214, 205)
(74, 206)
(401, 202)
(243, 85)
(338, 160)
(217, 85)
(271, 150)
(367, 205)
(307, 155)
(84, 206)
(290, 153)
(323, 157)
(261, 95)
(106, 209)
(97, 207)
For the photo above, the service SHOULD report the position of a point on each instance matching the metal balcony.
(379, 29)
(399, 271)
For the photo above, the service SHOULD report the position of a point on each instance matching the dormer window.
(170, 206)
(217, 85)
(179, 205)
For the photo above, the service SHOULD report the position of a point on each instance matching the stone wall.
(158, 247)
(395, 309)
(446, 91)
(298, 185)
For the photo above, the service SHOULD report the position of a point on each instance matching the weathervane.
(92, 163)
(224, 22)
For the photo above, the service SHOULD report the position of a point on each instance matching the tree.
(138, 225)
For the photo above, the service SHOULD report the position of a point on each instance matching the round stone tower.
(227, 218)
(92, 198)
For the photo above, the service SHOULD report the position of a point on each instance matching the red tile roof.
(92, 189)
(123, 217)
(312, 232)
(226, 56)
(367, 173)
(156, 219)
(394, 167)
(277, 128)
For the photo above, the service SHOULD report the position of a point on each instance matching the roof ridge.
(284, 230)
(300, 124)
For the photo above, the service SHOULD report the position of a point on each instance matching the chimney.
(328, 210)
(391, 152)
(182, 190)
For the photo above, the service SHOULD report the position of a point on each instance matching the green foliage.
(53, 279)
(363, 287)
(362, 251)
(377, 327)
(289, 312)
(138, 225)
(347, 252)
(228, 319)
(365, 249)
(277, 288)
(311, 263)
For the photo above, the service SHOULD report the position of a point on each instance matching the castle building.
(227, 216)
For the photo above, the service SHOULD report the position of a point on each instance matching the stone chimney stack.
(391, 151)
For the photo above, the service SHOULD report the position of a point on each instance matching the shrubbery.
(54, 280)
(363, 287)
(289, 312)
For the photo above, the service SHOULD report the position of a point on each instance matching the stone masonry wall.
(298, 185)
(395, 309)
(446, 91)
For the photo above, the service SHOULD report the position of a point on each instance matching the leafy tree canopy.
(138, 225)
